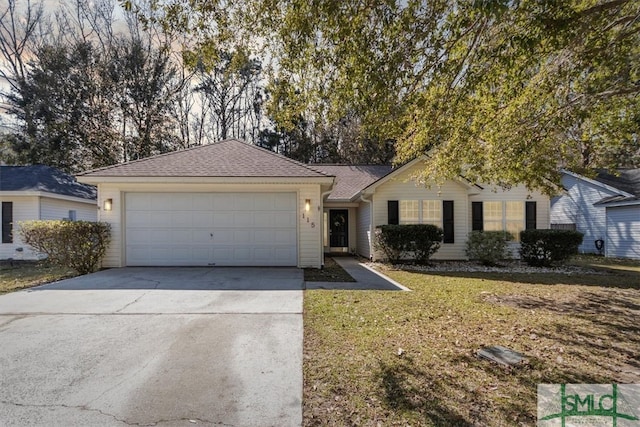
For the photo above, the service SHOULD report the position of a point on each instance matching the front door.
(339, 228)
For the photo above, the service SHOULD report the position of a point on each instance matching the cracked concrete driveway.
(163, 347)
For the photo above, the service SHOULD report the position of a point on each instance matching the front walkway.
(365, 278)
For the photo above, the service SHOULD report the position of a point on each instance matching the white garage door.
(623, 232)
(224, 229)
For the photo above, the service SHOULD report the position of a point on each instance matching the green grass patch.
(409, 358)
(28, 274)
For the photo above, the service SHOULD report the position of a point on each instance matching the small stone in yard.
(400, 352)
(501, 355)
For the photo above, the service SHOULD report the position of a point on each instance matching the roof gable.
(407, 167)
(45, 179)
(227, 158)
(351, 179)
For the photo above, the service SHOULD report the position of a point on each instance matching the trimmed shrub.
(488, 247)
(415, 242)
(80, 245)
(547, 247)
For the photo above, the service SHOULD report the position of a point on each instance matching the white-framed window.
(504, 216)
(432, 212)
(514, 218)
(492, 214)
(409, 212)
(421, 212)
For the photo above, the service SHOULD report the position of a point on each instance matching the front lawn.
(409, 358)
(28, 274)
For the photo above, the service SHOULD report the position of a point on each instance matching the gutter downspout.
(371, 233)
(321, 221)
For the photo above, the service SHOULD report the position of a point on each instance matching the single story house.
(235, 204)
(39, 192)
(605, 208)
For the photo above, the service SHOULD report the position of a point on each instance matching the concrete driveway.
(155, 346)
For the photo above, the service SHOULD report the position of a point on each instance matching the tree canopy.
(501, 91)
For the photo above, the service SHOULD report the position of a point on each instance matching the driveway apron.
(155, 346)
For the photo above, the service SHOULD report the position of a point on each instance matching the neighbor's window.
(409, 212)
(432, 212)
(492, 216)
(7, 222)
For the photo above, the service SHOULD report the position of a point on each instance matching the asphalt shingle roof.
(627, 180)
(350, 180)
(228, 158)
(43, 178)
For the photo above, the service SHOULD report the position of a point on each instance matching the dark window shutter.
(7, 222)
(530, 212)
(477, 220)
(447, 221)
(393, 212)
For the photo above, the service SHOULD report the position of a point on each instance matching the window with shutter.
(7, 222)
(447, 221)
(477, 220)
(393, 217)
(531, 216)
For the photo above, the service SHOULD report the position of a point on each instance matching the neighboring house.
(231, 203)
(38, 193)
(605, 208)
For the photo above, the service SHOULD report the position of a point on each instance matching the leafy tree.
(502, 91)
(232, 92)
(147, 92)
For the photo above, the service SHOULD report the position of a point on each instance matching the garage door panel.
(284, 219)
(211, 229)
(283, 202)
(243, 219)
(223, 219)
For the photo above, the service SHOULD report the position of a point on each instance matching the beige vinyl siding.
(309, 228)
(362, 228)
(623, 232)
(25, 208)
(59, 209)
(403, 188)
(517, 193)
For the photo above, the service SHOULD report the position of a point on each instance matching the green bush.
(80, 245)
(488, 247)
(547, 247)
(415, 242)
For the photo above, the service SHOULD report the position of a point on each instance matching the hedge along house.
(234, 204)
(371, 196)
(39, 192)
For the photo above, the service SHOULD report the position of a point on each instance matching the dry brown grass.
(28, 274)
(572, 328)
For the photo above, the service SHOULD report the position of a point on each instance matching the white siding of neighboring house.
(363, 221)
(29, 208)
(623, 232)
(309, 227)
(576, 206)
(402, 187)
(25, 208)
(59, 209)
